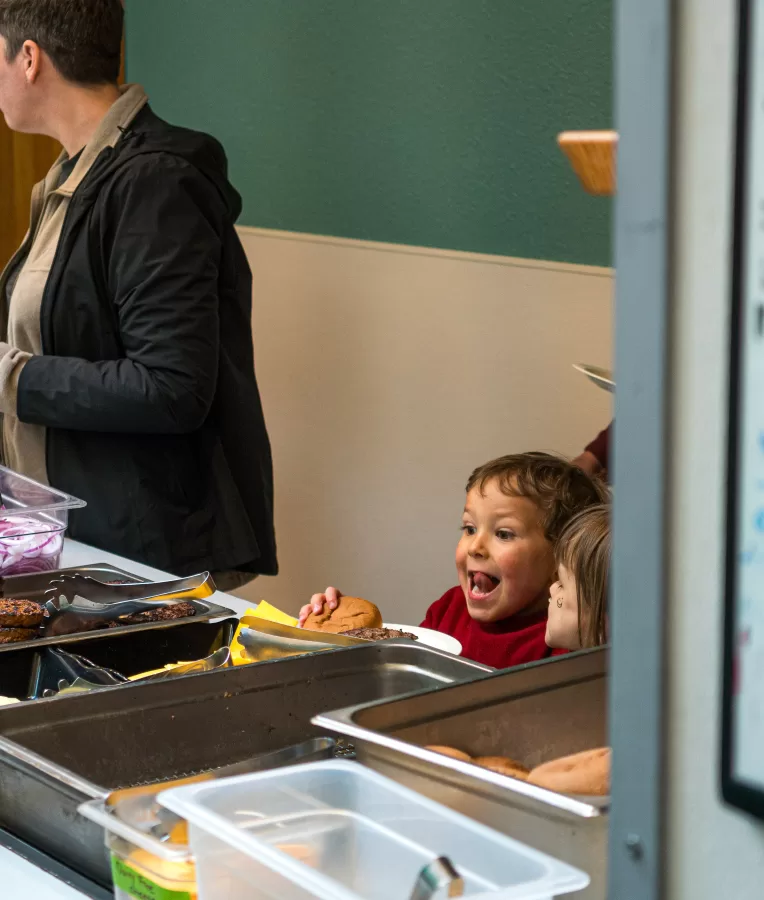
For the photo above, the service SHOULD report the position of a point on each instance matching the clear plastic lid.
(23, 496)
(344, 832)
(128, 820)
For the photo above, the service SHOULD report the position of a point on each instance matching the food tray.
(56, 754)
(32, 587)
(24, 673)
(532, 713)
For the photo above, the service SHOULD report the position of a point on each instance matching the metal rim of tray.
(342, 722)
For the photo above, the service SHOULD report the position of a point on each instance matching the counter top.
(20, 877)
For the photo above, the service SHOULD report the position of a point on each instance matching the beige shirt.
(24, 444)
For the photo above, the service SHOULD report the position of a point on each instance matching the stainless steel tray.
(33, 586)
(531, 713)
(55, 754)
(25, 673)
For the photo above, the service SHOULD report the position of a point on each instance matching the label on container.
(131, 881)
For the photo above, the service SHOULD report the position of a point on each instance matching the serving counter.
(389, 698)
(21, 877)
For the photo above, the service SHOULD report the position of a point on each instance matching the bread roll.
(450, 751)
(503, 765)
(581, 773)
(352, 612)
(301, 852)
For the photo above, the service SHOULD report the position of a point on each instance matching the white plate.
(431, 638)
(603, 378)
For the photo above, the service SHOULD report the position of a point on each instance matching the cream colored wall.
(387, 374)
(711, 850)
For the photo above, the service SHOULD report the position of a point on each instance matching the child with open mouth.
(516, 508)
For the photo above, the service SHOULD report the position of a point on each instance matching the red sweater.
(516, 640)
(600, 447)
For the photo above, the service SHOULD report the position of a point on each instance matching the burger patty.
(16, 635)
(20, 613)
(379, 634)
(180, 610)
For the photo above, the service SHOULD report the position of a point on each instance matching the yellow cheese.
(264, 611)
(156, 671)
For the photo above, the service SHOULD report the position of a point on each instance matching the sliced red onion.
(29, 545)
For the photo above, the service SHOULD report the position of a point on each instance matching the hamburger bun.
(581, 773)
(352, 612)
(449, 751)
(503, 765)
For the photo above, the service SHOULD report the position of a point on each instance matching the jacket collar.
(108, 133)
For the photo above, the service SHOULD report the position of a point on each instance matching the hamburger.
(350, 614)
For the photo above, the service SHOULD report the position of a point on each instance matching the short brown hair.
(558, 488)
(83, 38)
(584, 549)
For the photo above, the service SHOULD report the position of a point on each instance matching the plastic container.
(142, 867)
(33, 520)
(338, 831)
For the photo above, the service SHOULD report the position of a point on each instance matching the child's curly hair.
(559, 489)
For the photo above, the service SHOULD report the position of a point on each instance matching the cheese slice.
(156, 671)
(265, 611)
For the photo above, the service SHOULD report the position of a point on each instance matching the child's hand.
(330, 598)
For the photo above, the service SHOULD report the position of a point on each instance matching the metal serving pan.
(55, 754)
(531, 713)
(32, 587)
(25, 673)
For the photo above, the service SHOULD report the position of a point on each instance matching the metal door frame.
(643, 92)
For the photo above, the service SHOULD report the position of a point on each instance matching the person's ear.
(31, 60)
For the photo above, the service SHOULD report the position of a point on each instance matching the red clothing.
(516, 640)
(600, 447)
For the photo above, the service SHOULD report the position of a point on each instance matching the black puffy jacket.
(147, 384)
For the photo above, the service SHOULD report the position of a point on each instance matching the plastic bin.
(142, 866)
(338, 831)
(33, 520)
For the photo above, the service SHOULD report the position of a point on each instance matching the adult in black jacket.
(127, 371)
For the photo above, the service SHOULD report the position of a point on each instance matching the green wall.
(428, 122)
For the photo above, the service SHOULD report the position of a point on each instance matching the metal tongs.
(217, 660)
(72, 673)
(263, 639)
(78, 602)
(437, 876)
(82, 675)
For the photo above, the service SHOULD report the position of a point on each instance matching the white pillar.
(711, 851)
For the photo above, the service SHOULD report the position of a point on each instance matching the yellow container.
(139, 875)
